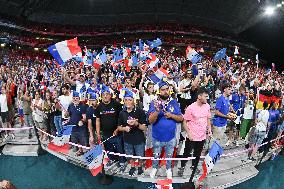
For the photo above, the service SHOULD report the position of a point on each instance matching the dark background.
(268, 36)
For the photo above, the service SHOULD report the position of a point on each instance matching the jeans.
(115, 145)
(138, 149)
(58, 123)
(169, 149)
(28, 118)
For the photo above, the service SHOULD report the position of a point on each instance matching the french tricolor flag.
(61, 142)
(158, 75)
(210, 160)
(164, 184)
(94, 158)
(236, 52)
(192, 55)
(152, 61)
(65, 50)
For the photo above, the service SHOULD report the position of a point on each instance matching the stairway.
(21, 145)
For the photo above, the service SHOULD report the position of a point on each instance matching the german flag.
(269, 97)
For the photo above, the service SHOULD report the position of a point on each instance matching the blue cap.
(128, 93)
(93, 96)
(105, 89)
(76, 94)
(162, 83)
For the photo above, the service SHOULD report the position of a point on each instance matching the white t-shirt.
(263, 116)
(38, 114)
(79, 86)
(65, 101)
(3, 103)
(182, 84)
(248, 110)
(147, 99)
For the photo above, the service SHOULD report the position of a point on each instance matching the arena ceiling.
(233, 16)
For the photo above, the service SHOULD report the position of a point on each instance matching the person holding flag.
(197, 125)
(81, 85)
(132, 122)
(106, 124)
(77, 113)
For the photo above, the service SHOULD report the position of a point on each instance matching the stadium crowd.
(114, 101)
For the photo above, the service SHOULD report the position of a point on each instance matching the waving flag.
(133, 61)
(159, 75)
(94, 158)
(155, 43)
(164, 184)
(60, 142)
(88, 59)
(211, 159)
(65, 50)
(117, 55)
(192, 55)
(220, 54)
(126, 52)
(141, 45)
(236, 52)
(101, 58)
(152, 61)
(229, 59)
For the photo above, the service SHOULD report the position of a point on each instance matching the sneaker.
(153, 173)
(140, 171)
(237, 143)
(12, 136)
(169, 174)
(228, 143)
(132, 171)
(122, 167)
(180, 171)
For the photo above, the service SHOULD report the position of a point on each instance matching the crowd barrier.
(140, 157)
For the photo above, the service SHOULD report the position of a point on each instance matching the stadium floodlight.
(45, 50)
(3, 44)
(36, 49)
(269, 11)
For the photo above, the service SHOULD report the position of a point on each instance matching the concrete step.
(22, 140)
(228, 180)
(20, 150)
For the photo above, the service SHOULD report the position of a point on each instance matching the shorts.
(257, 138)
(40, 125)
(219, 132)
(137, 150)
(5, 117)
(245, 127)
(281, 128)
(79, 137)
(21, 112)
(232, 126)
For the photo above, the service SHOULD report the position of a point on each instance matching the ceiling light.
(45, 50)
(269, 11)
(3, 44)
(36, 49)
(282, 2)
(279, 5)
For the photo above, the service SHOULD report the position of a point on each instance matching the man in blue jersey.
(164, 114)
(237, 101)
(221, 116)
